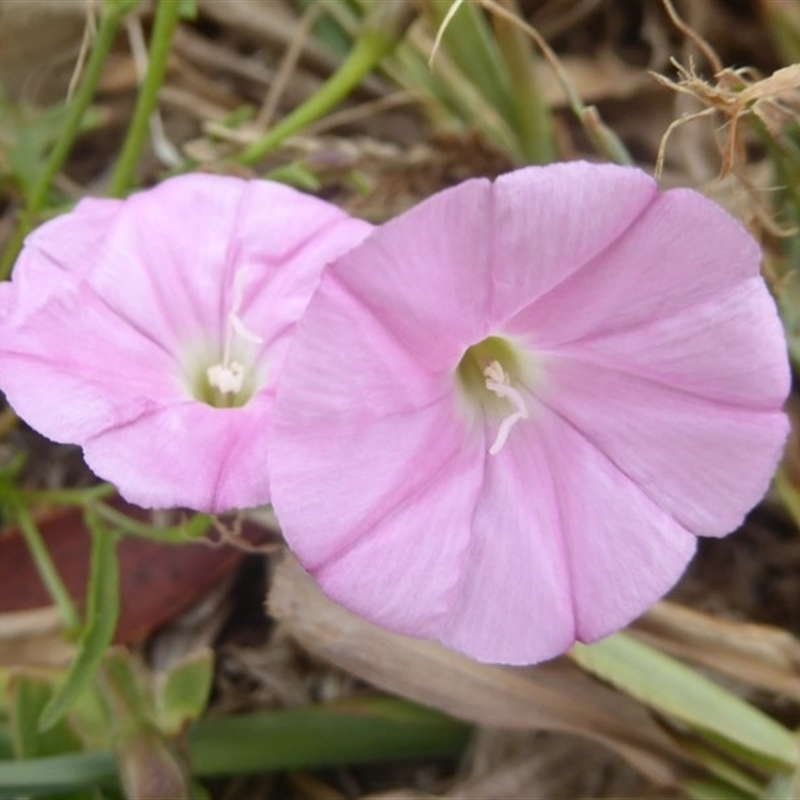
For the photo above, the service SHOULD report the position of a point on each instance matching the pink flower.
(509, 412)
(152, 331)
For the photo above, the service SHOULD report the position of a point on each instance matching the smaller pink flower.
(152, 331)
(507, 415)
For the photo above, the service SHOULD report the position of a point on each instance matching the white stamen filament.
(228, 376)
(498, 381)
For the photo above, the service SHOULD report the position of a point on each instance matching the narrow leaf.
(102, 612)
(27, 696)
(669, 686)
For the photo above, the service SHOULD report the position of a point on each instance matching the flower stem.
(47, 570)
(168, 13)
(110, 23)
(78, 497)
(381, 33)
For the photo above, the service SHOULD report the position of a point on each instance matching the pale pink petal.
(53, 256)
(263, 229)
(430, 289)
(514, 599)
(288, 251)
(69, 242)
(164, 264)
(563, 546)
(516, 239)
(188, 454)
(75, 368)
(549, 222)
(345, 363)
(340, 475)
(704, 462)
(682, 350)
(681, 252)
(624, 550)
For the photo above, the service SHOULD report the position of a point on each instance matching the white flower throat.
(227, 377)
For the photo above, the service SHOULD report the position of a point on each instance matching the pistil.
(499, 382)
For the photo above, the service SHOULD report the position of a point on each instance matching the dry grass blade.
(555, 696)
(758, 655)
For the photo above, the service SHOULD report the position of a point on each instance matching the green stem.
(104, 41)
(168, 13)
(533, 118)
(47, 571)
(182, 534)
(66, 497)
(375, 42)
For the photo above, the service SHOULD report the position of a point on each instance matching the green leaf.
(469, 38)
(356, 731)
(713, 789)
(673, 688)
(37, 777)
(27, 697)
(102, 613)
(182, 692)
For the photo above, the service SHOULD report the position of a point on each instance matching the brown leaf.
(158, 581)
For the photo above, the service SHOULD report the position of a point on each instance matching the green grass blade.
(469, 39)
(354, 731)
(358, 731)
(673, 688)
(37, 777)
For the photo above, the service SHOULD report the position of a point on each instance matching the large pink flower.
(152, 331)
(507, 415)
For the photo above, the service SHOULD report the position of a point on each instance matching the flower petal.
(53, 256)
(703, 461)
(513, 603)
(196, 232)
(729, 349)
(74, 368)
(188, 454)
(429, 289)
(360, 499)
(624, 551)
(550, 222)
(681, 252)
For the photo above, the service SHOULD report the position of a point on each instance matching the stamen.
(228, 376)
(498, 381)
(227, 379)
